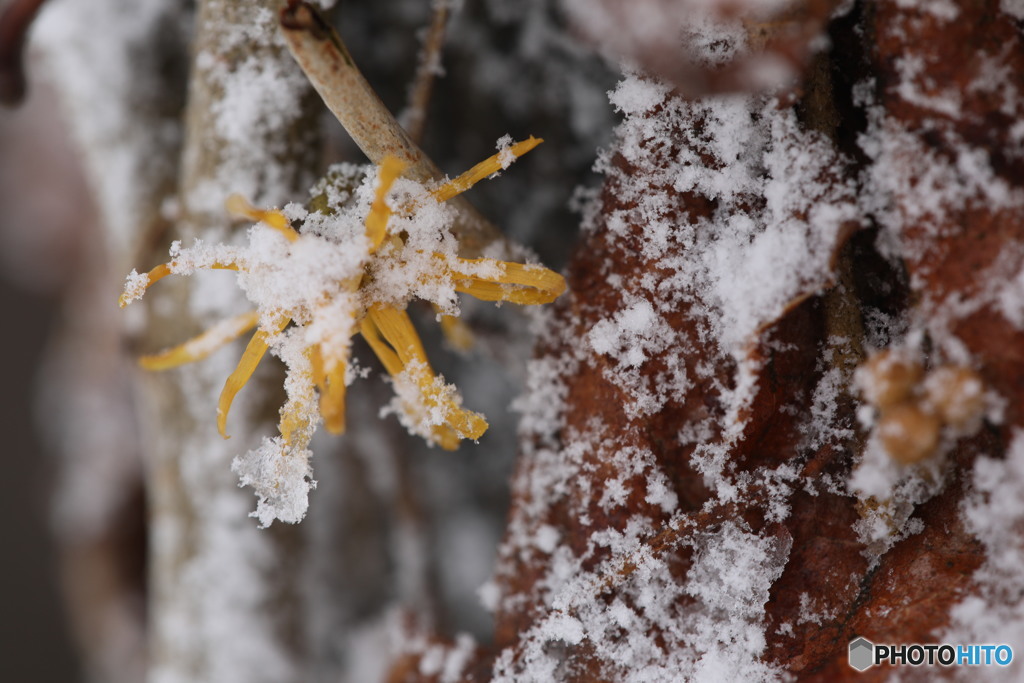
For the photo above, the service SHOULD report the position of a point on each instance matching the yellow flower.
(352, 268)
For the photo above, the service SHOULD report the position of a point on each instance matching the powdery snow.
(994, 513)
(767, 243)
(120, 105)
(779, 211)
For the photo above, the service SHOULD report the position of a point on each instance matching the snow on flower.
(360, 254)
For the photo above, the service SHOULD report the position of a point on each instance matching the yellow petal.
(238, 206)
(319, 377)
(329, 377)
(292, 421)
(332, 399)
(246, 366)
(518, 283)
(203, 345)
(131, 292)
(162, 271)
(298, 415)
(385, 327)
(398, 330)
(459, 423)
(316, 361)
(465, 424)
(455, 331)
(377, 220)
(392, 363)
(484, 169)
(445, 437)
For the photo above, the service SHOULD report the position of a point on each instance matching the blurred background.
(46, 218)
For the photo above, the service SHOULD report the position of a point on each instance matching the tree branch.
(327, 63)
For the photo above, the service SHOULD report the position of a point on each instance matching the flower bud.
(888, 378)
(956, 394)
(908, 433)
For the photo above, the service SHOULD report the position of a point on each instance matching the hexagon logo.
(862, 654)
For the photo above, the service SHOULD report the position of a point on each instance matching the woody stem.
(330, 68)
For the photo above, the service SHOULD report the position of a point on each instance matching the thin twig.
(414, 118)
(14, 24)
(332, 71)
(330, 68)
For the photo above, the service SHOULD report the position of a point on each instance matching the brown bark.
(905, 594)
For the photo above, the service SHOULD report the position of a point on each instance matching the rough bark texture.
(905, 594)
(202, 542)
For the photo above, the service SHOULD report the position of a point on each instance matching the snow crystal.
(1001, 286)
(250, 94)
(411, 405)
(810, 613)
(889, 493)
(505, 155)
(635, 334)
(749, 260)
(281, 479)
(634, 96)
(457, 659)
(659, 492)
(135, 285)
(1010, 299)
(928, 185)
(910, 69)
(945, 10)
(490, 595)
(994, 513)
(733, 571)
(824, 426)
(543, 401)
(131, 133)
(562, 627)
(547, 538)
(1015, 8)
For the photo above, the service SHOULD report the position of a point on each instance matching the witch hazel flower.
(370, 242)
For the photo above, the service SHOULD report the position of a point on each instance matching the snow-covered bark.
(224, 603)
(643, 430)
(696, 497)
(122, 106)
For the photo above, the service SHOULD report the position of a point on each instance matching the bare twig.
(330, 68)
(14, 24)
(414, 118)
(325, 59)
